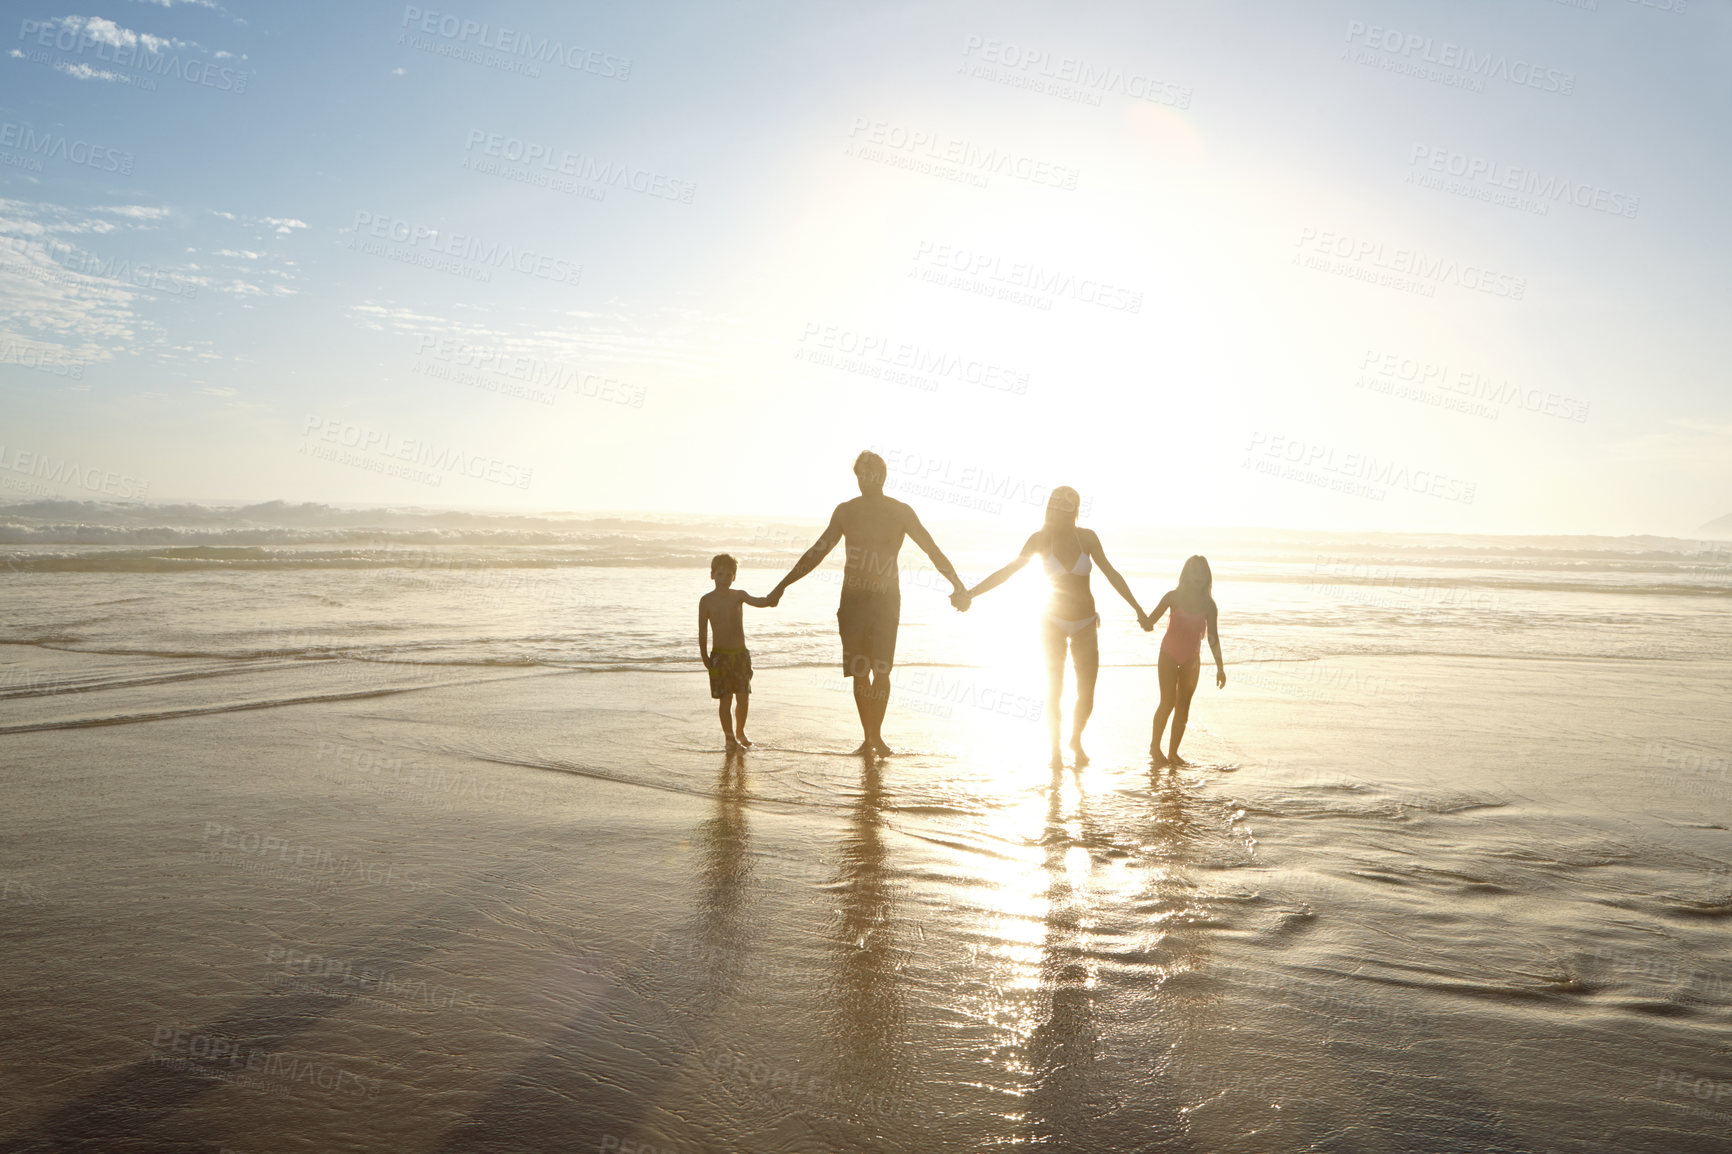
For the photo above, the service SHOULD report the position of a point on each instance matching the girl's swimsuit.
(1183, 641)
(1080, 568)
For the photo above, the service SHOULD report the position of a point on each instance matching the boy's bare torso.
(722, 608)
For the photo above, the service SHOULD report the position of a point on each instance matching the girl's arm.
(1005, 574)
(1112, 575)
(1215, 647)
(1166, 603)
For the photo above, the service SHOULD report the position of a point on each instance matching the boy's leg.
(741, 702)
(1182, 711)
(722, 705)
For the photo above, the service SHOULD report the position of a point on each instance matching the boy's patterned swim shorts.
(730, 671)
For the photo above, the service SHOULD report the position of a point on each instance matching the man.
(871, 606)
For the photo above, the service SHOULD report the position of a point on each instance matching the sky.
(1443, 266)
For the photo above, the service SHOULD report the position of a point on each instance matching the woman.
(1068, 552)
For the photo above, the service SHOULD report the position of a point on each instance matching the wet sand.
(1471, 911)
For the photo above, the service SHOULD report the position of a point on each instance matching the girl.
(1193, 607)
(1068, 552)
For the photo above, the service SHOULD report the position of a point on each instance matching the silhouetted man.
(871, 606)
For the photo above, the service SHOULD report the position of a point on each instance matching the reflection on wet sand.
(721, 926)
(868, 1010)
(1062, 1050)
(1076, 1098)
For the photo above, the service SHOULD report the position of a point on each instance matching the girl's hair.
(1062, 506)
(1196, 576)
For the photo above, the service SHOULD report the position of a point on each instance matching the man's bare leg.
(741, 702)
(727, 725)
(880, 704)
(863, 706)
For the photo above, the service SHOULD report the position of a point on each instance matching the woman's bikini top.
(1055, 567)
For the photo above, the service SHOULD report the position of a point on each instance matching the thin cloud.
(281, 225)
(52, 301)
(86, 72)
(107, 32)
(136, 211)
(617, 340)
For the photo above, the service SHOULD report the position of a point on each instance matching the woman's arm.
(1215, 647)
(1112, 575)
(1029, 549)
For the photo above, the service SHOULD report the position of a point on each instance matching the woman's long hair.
(1062, 507)
(1196, 578)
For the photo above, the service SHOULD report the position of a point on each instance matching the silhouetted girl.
(1193, 612)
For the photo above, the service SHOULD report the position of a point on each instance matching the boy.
(730, 664)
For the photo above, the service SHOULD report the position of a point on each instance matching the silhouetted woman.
(1068, 552)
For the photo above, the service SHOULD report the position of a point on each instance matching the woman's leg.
(1167, 672)
(1052, 640)
(1085, 658)
(1187, 678)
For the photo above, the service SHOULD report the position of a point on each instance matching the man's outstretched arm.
(811, 558)
(917, 533)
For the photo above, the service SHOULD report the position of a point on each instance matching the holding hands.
(962, 598)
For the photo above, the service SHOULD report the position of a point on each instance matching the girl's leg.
(1167, 672)
(1052, 640)
(741, 702)
(727, 724)
(1085, 658)
(1187, 678)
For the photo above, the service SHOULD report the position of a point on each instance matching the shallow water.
(1423, 890)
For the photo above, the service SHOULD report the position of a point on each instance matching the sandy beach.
(525, 910)
(424, 431)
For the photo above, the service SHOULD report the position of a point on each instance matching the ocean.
(1451, 870)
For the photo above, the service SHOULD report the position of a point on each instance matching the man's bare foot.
(1157, 758)
(1082, 758)
(1178, 762)
(732, 746)
(1057, 761)
(864, 749)
(745, 742)
(881, 749)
